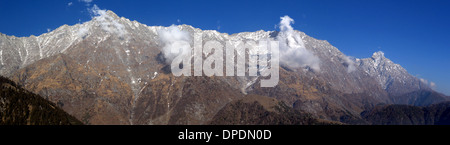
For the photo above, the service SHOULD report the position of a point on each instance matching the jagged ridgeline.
(21, 107)
(111, 70)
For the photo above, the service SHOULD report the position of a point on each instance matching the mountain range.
(111, 70)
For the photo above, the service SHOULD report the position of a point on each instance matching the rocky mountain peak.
(112, 14)
(378, 58)
(378, 55)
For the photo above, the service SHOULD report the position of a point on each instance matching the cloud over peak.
(107, 22)
(175, 42)
(293, 52)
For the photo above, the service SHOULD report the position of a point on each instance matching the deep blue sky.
(413, 33)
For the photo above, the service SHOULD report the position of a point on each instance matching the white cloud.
(175, 41)
(88, 2)
(96, 11)
(424, 81)
(48, 29)
(70, 4)
(107, 22)
(350, 63)
(83, 31)
(432, 85)
(218, 25)
(293, 52)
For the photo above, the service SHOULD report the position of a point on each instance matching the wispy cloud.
(173, 40)
(107, 22)
(293, 52)
(83, 31)
(433, 85)
(96, 11)
(424, 81)
(70, 4)
(218, 25)
(430, 84)
(349, 62)
(88, 2)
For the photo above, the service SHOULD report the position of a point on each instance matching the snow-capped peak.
(378, 55)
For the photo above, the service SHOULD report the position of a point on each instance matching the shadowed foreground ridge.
(21, 107)
(437, 114)
(262, 110)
